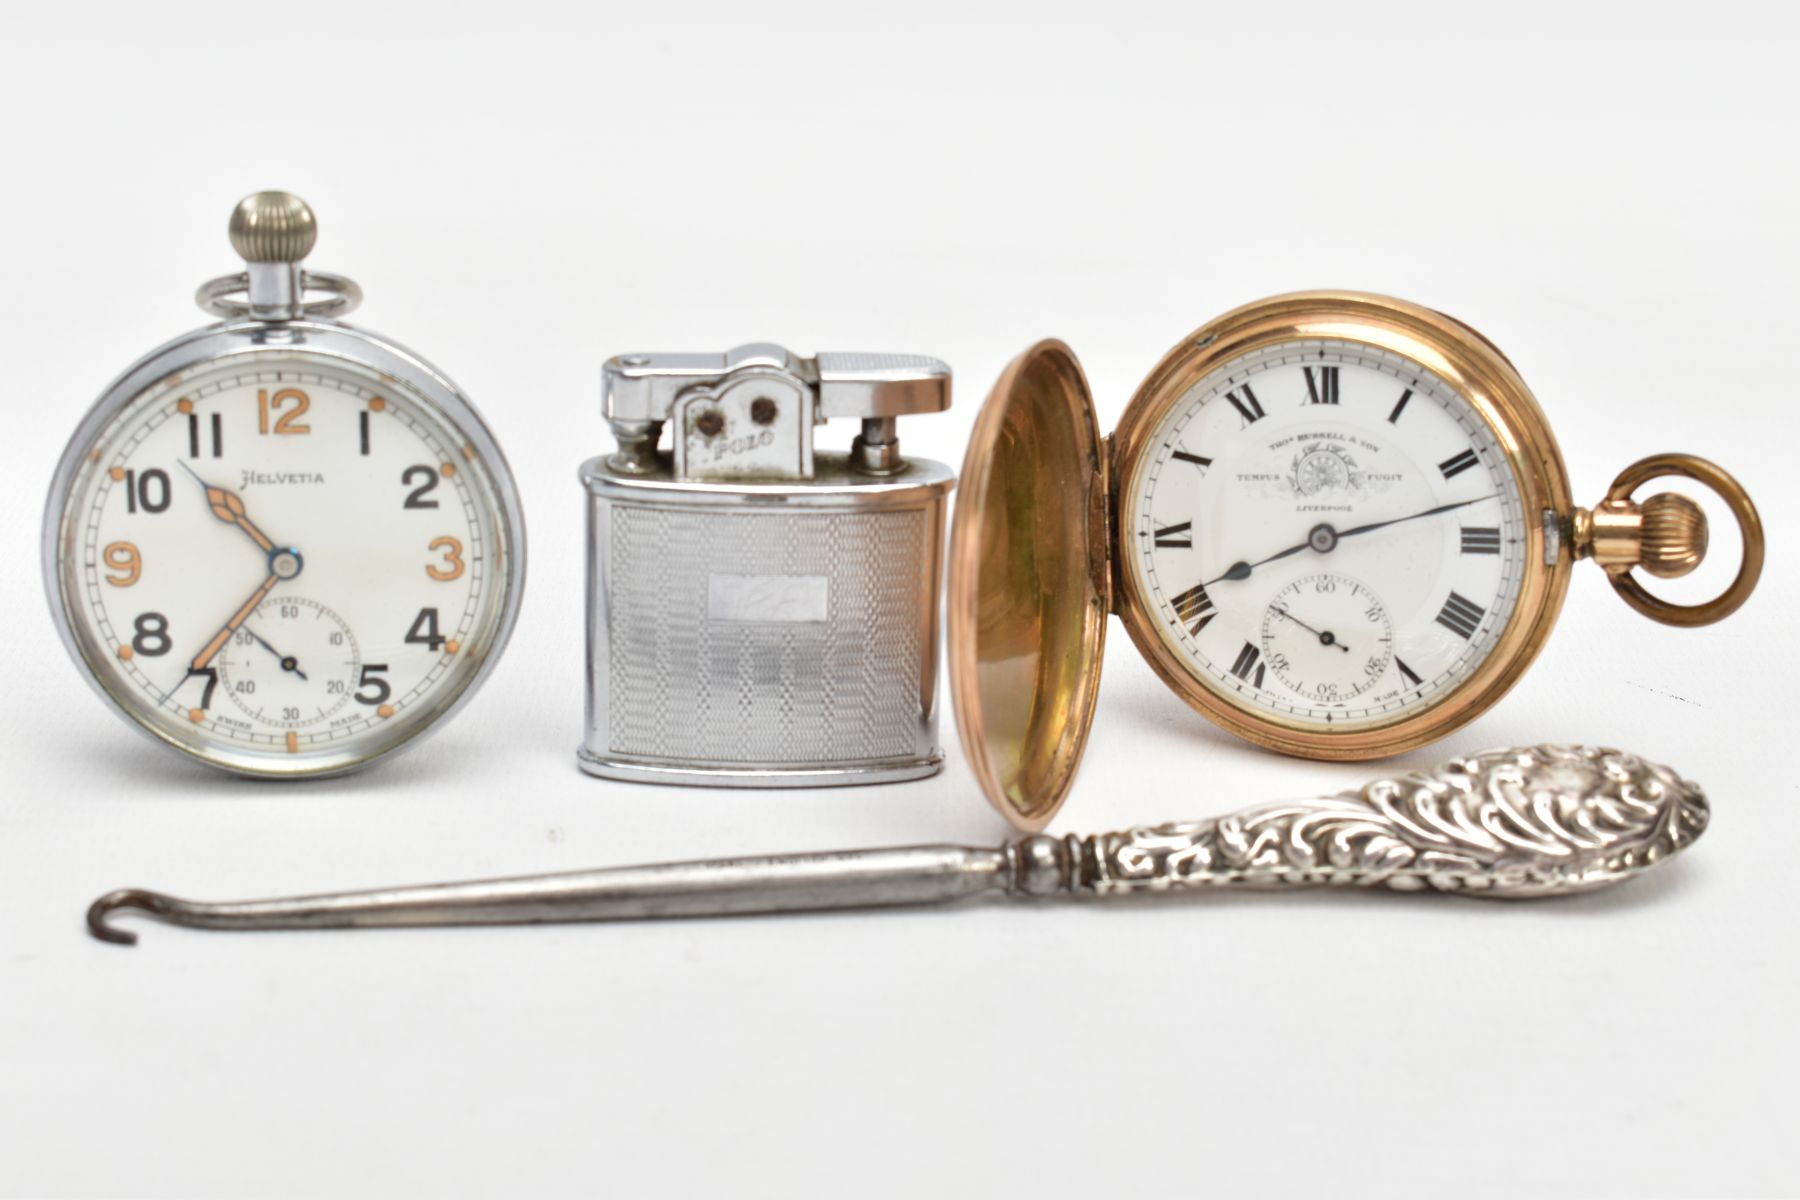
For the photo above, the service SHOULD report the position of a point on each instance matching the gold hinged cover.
(1029, 584)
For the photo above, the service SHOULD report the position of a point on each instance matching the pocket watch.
(1336, 524)
(280, 544)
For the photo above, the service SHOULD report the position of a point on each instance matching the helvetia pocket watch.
(280, 544)
(1336, 524)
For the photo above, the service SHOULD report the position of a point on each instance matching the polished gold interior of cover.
(1028, 576)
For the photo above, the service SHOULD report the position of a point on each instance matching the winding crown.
(1665, 535)
(273, 227)
(1673, 537)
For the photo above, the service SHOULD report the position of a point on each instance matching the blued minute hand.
(1430, 512)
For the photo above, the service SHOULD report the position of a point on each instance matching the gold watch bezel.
(1466, 361)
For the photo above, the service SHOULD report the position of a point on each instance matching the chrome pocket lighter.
(761, 613)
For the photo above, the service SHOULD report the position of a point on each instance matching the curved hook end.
(110, 903)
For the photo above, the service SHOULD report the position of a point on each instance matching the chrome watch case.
(275, 317)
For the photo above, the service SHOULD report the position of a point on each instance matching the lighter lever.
(1539, 821)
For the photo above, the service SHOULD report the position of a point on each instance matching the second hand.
(288, 661)
(1326, 637)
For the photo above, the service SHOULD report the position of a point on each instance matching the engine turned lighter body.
(761, 614)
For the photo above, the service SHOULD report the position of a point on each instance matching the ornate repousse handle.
(1544, 820)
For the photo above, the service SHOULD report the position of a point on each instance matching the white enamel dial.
(1327, 533)
(283, 561)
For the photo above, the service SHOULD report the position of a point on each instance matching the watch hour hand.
(229, 508)
(1241, 570)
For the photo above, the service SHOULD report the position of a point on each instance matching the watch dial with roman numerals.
(284, 562)
(1325, 532)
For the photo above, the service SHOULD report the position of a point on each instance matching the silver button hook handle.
(1530, 821)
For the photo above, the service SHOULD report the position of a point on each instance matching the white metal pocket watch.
(280, 544)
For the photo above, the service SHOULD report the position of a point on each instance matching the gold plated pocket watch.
(279, 544)
(1335, 523)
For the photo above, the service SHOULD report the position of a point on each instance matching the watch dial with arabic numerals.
(283, 562)
(1327, 534)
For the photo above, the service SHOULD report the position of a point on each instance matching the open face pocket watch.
(1335, 523)
(279, 544)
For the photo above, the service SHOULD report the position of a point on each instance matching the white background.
(524, 189)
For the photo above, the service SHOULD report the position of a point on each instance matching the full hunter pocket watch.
(280, 544)
(1337, 524)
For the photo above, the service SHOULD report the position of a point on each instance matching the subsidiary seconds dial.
(294, 663)
(1327, 637)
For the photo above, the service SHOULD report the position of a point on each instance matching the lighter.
(761, 613)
